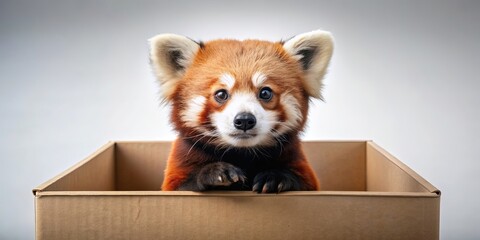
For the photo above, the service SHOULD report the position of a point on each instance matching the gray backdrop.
(75, 74)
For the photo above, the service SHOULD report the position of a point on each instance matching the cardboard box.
(113, 194)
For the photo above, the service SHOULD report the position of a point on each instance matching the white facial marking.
(292, 110)
(228, 80)
(244, 102)
(258, 79)
(194, 108)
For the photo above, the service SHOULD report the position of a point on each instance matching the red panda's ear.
(170, 56)
(313, 50)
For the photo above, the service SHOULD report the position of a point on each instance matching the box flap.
(96, 172)
(378, 169)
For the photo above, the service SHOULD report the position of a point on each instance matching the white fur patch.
(244, 102)
(228, 80)
(292, 111)
(258, 79)
(194, 108)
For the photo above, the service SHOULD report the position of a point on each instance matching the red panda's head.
(240, 93)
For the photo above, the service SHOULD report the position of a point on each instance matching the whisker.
(193, 145)
(224, 152)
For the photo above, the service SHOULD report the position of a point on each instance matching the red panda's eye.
(265, 94)
(221, 95)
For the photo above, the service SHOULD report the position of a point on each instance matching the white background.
(75, 74)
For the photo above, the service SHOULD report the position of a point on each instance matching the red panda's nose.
(244, 121)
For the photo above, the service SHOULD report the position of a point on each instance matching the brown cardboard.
(113, 194)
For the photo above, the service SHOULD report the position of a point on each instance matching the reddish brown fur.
(241, 59)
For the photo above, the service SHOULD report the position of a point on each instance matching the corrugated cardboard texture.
(236, 217)
(81, 204)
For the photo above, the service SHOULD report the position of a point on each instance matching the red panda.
(238, 108)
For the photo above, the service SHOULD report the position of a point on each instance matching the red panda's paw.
(275, 181)
(219, 174)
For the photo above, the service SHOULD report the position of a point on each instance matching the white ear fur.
(313, 50)
(170, 56)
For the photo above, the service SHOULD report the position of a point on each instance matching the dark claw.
(256, 188)
(280, 187)
(235, 175)
(269, 186)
